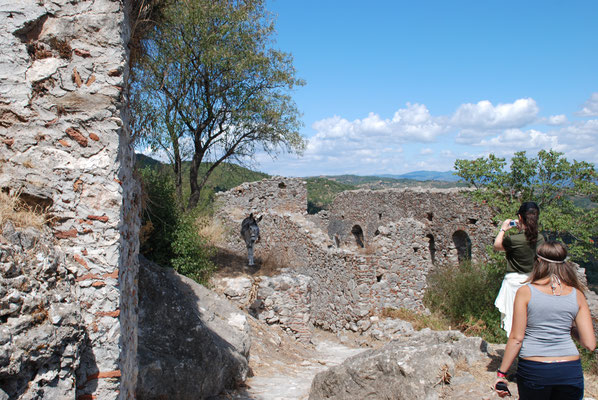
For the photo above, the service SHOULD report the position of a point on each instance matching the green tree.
(559, 186)
(210, 87)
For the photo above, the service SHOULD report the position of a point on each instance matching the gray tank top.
(549, 320)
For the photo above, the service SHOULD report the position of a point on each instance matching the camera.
(502, 386)
(513, 223)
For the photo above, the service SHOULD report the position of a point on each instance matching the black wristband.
(500, 372)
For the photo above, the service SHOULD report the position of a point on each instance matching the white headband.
(549, 260)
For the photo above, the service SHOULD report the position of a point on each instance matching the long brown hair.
(551, 261)
(529, 212)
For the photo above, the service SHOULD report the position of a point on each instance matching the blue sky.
(399, 86)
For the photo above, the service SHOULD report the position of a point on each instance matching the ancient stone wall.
(64, 145)
(456, 227)
(403, 234)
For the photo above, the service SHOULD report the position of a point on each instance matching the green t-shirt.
(520, 255)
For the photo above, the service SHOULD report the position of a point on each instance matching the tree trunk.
(195, 187)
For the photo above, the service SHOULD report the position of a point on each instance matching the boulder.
(410, 368)
(192, 343)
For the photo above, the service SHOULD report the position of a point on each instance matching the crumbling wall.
(65, 146)
(449, 217)
(353, 273)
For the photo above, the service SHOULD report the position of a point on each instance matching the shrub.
(465, 294)
(168, 236)
(191, 253)
(160, 216)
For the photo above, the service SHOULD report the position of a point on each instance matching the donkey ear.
(259, 218)
(250, 216)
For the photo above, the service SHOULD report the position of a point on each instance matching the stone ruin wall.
(442, 213)
(348, 283)
(65, 145)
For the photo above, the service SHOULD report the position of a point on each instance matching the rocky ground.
(283, 368)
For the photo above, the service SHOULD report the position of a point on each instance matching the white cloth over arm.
(506, 297)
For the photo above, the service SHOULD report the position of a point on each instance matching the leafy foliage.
(465, 294)
(191, 255)
(211, 88)
(160, 216)
(168, 236)
(556, 184)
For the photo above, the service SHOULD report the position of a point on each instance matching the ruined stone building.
(372, 250)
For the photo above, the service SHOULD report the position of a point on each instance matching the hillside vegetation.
(321, 192)
(377, 182)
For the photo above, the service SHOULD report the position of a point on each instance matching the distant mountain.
(446, 176)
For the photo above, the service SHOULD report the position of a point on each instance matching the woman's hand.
(506, 225)
(499, 392)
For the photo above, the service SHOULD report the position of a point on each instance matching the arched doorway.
(463, 245)
(431, 247)
(358, 234)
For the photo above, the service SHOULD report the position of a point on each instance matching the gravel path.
(290, 379)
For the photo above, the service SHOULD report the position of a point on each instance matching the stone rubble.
(42, 331)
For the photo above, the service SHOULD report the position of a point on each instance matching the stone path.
(289, 379)
(294, 383)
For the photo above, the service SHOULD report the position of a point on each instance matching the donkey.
(250, 232)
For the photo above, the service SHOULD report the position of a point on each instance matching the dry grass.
(271, 261)
(22, 216)
(212, 231)
(418, 320)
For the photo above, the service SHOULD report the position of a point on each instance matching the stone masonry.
(65, 147)
(372, 250)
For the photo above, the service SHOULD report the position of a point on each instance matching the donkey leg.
(250, 254)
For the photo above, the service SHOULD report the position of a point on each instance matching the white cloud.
(426, 151)
(476, 120)
(512, 140)
(413, 123)
(590, 108)
(560, 119)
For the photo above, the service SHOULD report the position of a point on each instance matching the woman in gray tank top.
(547, 311)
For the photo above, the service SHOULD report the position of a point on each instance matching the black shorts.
(550, 381)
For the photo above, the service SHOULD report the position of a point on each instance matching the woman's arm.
(501, 235)
(517, 332)
(583, 323)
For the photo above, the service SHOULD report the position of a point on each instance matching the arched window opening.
(282, 185)
(431, 247)
(430, 216)
(358, 233)
(463, 245)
